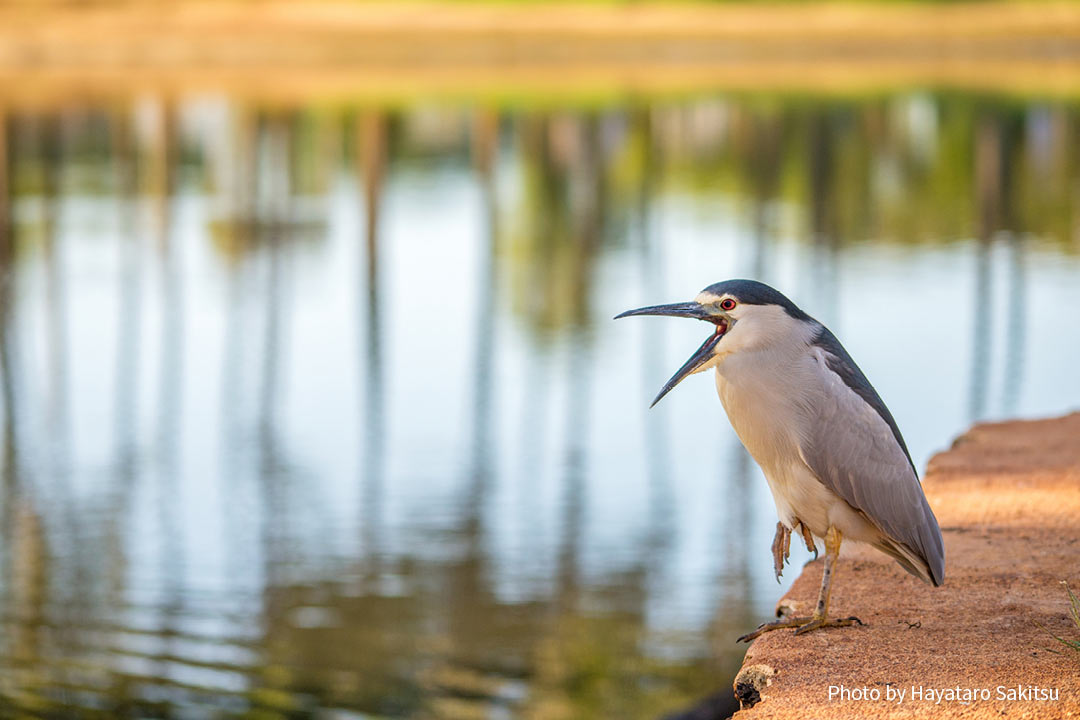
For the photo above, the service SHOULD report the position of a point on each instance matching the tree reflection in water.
(321, 408)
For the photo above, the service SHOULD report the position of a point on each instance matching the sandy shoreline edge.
(1007, 496)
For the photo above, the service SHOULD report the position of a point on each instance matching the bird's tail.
(911, 561)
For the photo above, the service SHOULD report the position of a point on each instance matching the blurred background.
(312, 401)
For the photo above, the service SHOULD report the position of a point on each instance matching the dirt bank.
(1007, 497)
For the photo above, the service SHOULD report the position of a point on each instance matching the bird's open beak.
(704, 353)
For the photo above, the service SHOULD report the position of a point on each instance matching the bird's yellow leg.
(820, 618)
(833, 538)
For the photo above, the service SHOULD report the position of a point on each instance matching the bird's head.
(746, 314)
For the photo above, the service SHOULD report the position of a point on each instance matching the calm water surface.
(322, 412)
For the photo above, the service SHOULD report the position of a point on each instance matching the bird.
(831, 452)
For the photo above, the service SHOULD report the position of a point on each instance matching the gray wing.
(855, 448)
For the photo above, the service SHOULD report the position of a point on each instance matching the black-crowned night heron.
(831, 452)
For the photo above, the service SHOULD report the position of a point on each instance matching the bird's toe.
(820, 622)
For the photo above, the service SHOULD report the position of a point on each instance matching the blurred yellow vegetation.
(513, 53)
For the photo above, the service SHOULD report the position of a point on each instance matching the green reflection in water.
(108, 604)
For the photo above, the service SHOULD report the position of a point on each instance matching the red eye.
(727, 304)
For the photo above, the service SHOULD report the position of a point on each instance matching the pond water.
(321, 411)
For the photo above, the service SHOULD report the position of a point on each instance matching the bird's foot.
(788, 622)
(781, 544)
(808, 539)
(801, 624)
(816, 623)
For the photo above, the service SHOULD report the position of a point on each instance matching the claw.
(780, 545)
(822, 623)
(808, 539)
(802, 625)
(763, 628)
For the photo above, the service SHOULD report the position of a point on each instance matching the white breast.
(765, 394)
